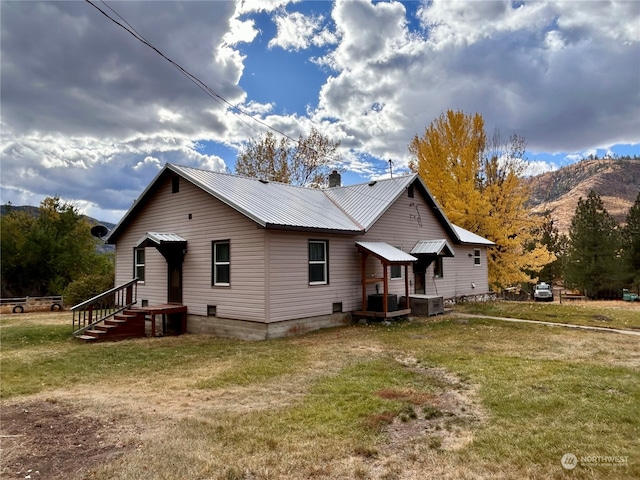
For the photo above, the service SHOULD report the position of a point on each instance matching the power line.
(199, 83)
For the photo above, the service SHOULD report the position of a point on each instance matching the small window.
(410, 191)
(476, 257)
(212, 310)
(438, 271)
(337, 307)
(175, 184)
(138, 261)
(221, 269)
(318, 262)
(396, 270)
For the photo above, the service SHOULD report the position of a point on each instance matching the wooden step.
(115, 321)
(106, 327)
(95, 333)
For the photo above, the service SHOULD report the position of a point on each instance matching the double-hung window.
(221, 268)
(138, 263)
(476, 257)
(318, 262)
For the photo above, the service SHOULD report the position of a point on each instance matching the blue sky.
(91, 114)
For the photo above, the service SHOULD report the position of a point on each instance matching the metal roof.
(272, 203)
(387, 252)
(433, 247)
(349, 209)
(365, 203)
(157, 238)
(466, 236)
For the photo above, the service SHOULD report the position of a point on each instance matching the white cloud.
(84, 103)
(537, 167)
(297, 31)
(542, 70)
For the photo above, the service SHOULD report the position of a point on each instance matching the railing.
(103, 306)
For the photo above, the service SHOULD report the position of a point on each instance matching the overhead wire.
(194, 79)
(125, 25)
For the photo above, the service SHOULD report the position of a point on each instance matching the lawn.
(606, 314)
(440, 397)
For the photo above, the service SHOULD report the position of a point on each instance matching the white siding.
(211, 220)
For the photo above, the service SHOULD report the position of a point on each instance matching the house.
(256, 259)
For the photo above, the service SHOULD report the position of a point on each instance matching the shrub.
(87, 287)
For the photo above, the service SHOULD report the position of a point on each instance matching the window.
(138, 262)
(175, 184)
(396, 270)
(476, 256)
(438, 271)
(318, 262)
(410, 191)
(221, 271)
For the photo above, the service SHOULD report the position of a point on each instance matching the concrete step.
(86, 338)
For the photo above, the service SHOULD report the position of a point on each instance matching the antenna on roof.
(391, 167)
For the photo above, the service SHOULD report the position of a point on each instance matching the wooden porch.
(113, 315)
(388, 256)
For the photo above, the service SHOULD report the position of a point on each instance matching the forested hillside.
(616, 181)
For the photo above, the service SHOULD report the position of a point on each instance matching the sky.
(91, 114)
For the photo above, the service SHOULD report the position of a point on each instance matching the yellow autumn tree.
(478, 182)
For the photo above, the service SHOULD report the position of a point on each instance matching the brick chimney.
(335, 179)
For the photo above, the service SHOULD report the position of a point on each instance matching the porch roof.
(387, 252)
(155, 239)
(433, 247)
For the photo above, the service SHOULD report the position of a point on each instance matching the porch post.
(385, 303)
(406, 285)
(364, 279)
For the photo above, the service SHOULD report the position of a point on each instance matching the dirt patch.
(45, 439)
(446, 419)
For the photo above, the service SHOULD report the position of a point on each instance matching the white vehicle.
(543, 291)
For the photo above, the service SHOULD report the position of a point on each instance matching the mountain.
(616, 181)
(33, 211)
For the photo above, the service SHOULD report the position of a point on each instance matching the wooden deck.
(170, 313)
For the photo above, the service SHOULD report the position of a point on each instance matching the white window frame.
(137, 265)
(215, 263)
(324, 262)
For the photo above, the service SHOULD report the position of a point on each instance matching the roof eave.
(300, 228)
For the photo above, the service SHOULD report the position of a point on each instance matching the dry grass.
(430, 398)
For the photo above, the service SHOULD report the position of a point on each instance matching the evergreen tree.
(593, 264)
(558, 244)
(631, 246)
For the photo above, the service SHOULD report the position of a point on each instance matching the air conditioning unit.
(435, 306)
